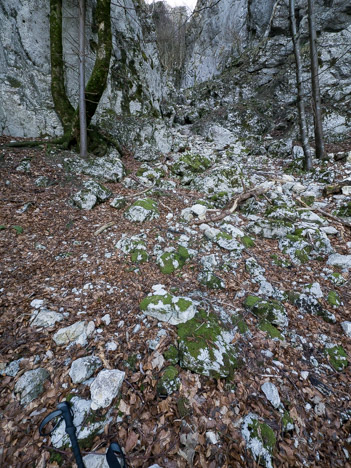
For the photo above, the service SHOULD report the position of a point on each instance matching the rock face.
(105, 388)
(26, 108)
(30, 385)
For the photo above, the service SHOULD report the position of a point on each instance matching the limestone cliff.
(26, 107)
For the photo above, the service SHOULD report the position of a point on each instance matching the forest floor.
(48, 251)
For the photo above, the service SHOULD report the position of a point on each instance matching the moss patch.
(171, 261)
(247, 242)
(272, 311)
(270, 329)
(171, 354)
(202, 347)
(334, 299)
(337, 357)
(169, 382)
(264, 433)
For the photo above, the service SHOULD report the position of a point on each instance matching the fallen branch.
(324, 213)
(104, 227)
(237, 201)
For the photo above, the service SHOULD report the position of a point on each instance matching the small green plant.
(18, 229)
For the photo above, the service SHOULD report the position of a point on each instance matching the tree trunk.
(317, 108)
(82, 108)
(300, 89)
(98, 79)
(63, 107)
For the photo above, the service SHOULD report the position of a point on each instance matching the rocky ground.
(193, 335)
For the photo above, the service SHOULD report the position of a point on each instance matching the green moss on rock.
(337, 357)
(334, 299)
(172, 355)
(272, 311)
(264, 433)
(169, 382)
(270, 329)
(247, 242)
(203, 348)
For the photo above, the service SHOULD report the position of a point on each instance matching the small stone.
(37, 303)
(95, 461)
(212, 437)
(272, 394)
(13, 368)
(346, 326)
(319, 409)
(83, 368)
(77, 333)
(343, 261)
(111, 346)
(45, 318)
(304, 375)
(106, 319)
(31, 384)
(346, 190)
(105, 388)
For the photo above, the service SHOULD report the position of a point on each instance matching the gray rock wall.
(26, 107)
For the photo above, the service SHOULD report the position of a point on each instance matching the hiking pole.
(64, 412)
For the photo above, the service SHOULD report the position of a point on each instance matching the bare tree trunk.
(82, 107)
(300, 89)
(317, 108)
(63, 107)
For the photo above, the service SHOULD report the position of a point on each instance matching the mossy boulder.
(297, 248)
(210, 280)
(310, 304)
(193, 163)
(271, 330)
(168, 308)
(204, 347)
(260, 439)
(135, 246)
(172, 259)
(272, 311)
(337, 357)
(169, 381)
(172, 355)
(344, 210)
(142, 210)
(334, 299)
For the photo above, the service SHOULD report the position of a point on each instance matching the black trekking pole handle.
(71, 431)
(64, 411)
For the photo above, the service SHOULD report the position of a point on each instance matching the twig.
(324, 213)
(242, 197)
(104, 227)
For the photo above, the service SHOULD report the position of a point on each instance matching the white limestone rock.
(342, 261)
(77, 333)
(83, 368)
(314, 289)
(168, 308)
(272, 394)
(346, 326)
(85, 200)
(105, 387)
(142, 210)
(31, 384)
(95, 461)
(45, 318)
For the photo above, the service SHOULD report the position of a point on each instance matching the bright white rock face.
(105, 387)
(83, 368)
(272, 394)
(76, 333)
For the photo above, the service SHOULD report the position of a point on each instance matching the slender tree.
(317, 108)
(98, 78)
(300, 89)
(82, 108)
